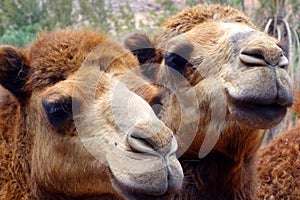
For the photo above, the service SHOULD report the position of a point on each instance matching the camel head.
(235, 76)
(91, 136)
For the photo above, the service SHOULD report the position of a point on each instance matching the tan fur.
(81, 157)
(191, 17)
(228, 61)
(278, 167)
(185, 21)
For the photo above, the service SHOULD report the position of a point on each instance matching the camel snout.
(260, 57)
(157, 139)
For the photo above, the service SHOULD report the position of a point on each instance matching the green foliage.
(19, 21)
(57, 14)
(94, 14)
(101, 16)
(223, 2)
(167, 9)
(123, 20)
(20, 37)
(18, 13)
(192, 2)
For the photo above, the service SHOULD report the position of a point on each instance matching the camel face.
(223, 79)
(91, 136)
(223, 84)
(249, 67)
(84, 141)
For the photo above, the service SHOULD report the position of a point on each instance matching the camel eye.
(176, 62)
(60, 112)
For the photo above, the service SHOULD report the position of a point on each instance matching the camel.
(223, 84)
(278, 167)
(278, 163)
(70, 127)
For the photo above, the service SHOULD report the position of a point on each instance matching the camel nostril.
(259, 57)
(157, 108)
(156, 104)
(139, 143)
(253, 57)
(283, 62)
(158, 141)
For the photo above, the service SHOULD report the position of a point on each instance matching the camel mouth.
(257, 114)
(145, 176)
(167, 195)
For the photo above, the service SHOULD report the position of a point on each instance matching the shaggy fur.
(45, 158)
(15, 151)
(185, 21)
(216, 49)
(67, 50)
(191, 17)
(278, 166)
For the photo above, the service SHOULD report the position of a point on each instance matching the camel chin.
(132, 178)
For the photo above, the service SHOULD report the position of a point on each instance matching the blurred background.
(22, 20)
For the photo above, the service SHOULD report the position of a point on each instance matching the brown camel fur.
(278, 166)
(70, 129)
(224, 83)
(278, 163)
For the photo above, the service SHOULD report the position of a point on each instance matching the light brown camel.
(278, 166)
(70, 129)
(224, 83)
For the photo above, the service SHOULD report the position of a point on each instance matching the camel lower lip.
(135, 162)
(167, 195)
(258, 115)
(132, 173)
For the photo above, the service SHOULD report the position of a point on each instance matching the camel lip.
(132, 190)
(166, 195)
(257, 106)
(256, 112)
(135, 171)
(161, 190)
(262, 116)
(264, 100)
(259, 102)
(268, 109)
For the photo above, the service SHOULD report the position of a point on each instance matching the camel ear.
(13, 70)
(141, 46)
